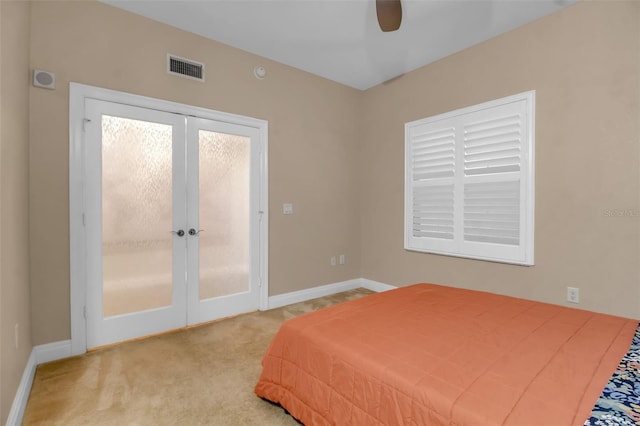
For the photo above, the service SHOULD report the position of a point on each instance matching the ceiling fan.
(389, 14)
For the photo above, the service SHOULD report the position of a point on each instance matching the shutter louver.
(433, 211)
(492, 212)
(434, 154)
(492, 146)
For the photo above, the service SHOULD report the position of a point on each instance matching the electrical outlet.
(341, 259)
(573, 295)
(333, 261)
(16, 333)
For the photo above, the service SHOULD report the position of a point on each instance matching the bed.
(433, 355)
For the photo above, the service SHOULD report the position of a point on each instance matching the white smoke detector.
(260, 72)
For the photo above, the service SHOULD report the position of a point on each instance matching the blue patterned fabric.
(619, 403)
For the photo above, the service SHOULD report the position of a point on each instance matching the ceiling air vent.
(185, 67)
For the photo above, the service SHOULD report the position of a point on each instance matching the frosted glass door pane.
(136, 215)
(223, 214)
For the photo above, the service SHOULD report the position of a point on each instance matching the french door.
(172, 220)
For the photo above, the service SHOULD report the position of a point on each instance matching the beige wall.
(584, 63)
(337, 153)
(312, 142)
(14, 189)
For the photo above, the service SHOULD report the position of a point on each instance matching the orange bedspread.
(433, 355)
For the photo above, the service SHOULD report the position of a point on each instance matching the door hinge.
(84, 222)
(84, 312)
(84, 122)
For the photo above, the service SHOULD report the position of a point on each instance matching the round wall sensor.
(259, 72)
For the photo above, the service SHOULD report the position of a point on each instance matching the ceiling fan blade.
(389, 14)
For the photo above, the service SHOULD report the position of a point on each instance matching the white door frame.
(77, 238)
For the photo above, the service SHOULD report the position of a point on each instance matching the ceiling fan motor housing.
(389, 14)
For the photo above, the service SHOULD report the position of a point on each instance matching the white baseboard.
(22, 394)
(326, 290)
(375, 285)
(52, 351)
(311, 293)
(39, 354)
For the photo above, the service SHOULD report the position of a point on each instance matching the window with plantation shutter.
(469, 181)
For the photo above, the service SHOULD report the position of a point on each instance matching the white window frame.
(449, 130)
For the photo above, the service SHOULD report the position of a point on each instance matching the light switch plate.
(287, 208)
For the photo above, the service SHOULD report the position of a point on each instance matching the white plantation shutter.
(469, 181)
(433, 167)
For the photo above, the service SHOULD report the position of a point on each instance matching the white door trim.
(78, 272)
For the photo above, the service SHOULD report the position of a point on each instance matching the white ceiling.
(340, 39)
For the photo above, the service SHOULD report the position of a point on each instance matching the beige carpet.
(200, 376)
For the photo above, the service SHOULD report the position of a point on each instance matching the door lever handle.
(194, 232)
(179, 233)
